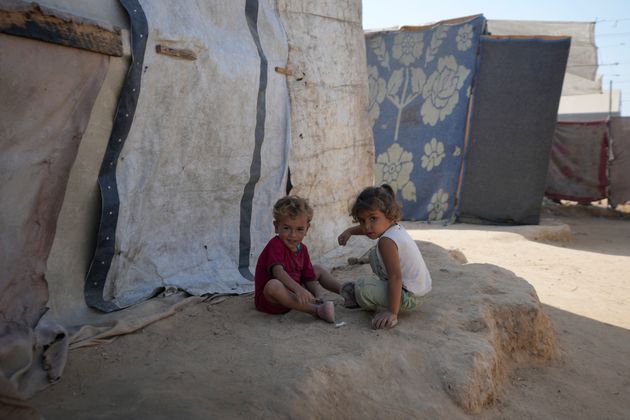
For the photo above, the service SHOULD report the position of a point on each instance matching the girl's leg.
(347, 293)
(372, 293)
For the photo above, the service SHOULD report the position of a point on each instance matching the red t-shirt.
(297, 265)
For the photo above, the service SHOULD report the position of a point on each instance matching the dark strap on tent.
(105, 250)
(251, 13)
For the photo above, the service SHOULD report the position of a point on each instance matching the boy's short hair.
(380, 198)
(292, 206)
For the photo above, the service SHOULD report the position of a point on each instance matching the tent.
(188, 124)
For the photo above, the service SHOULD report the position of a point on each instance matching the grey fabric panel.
(95, 280)
(514, 114)
(251, 13)
(619, 172)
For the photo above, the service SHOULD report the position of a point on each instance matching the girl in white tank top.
(403, 277)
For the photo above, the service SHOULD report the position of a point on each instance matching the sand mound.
(548, 230)
(449, 358)
(458, 256)
(478, 322)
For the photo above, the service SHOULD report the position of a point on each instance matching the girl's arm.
(302, 295)
(354, 230)
(391, 260)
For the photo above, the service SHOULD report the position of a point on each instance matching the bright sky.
(612, 28)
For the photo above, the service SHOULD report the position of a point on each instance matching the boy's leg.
(327, 281)
(313, 287)
(276, 292)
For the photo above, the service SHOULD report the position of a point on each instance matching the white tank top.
(414, 271)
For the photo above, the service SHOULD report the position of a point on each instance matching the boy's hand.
(304, 296)
(343, 238)
(384, 319)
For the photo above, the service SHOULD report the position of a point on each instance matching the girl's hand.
(303, 296)
(343, 238)
(384, 319)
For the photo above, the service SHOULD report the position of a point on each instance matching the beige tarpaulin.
(332, 153)
(48, 93)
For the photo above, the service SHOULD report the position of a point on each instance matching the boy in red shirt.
(285, 278)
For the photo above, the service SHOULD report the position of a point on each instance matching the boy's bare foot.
(326, 311)
(347, 292)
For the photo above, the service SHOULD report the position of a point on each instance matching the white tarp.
(591, 107)
(581, 74)
(190, 152)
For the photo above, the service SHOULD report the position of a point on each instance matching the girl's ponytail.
(389, 189)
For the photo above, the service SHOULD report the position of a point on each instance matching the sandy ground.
(221, 359)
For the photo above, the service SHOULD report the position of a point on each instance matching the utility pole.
(610, 145)
(610, 101)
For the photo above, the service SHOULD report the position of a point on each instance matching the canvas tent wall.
(420, 80)
(332, 148)
(192, 136)
(515, 104)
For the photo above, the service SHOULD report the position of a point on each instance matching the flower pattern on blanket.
(408, 47)
(433, 154)
(438, 205)
(464, 37)
(377, 91)
(419, 83)
(394, 167)
(442, 90)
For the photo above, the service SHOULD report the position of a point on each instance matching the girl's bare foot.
(347, 292)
